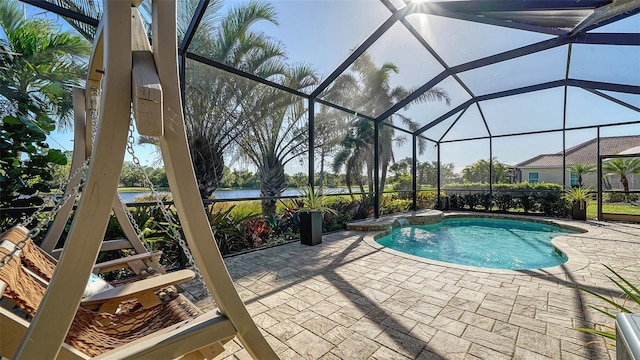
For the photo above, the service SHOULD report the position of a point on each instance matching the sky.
(323, 33)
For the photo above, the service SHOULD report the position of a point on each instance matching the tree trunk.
(383, 176)
(272, 182)
(625, 183)
(321, 177)
(208, 165)
(348, 177)
(370, 174)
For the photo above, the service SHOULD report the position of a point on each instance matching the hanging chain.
(46, 219)
(95, 104)
(173, 233)
(18, 247)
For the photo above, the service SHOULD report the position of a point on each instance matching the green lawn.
(133, 189)
(592, 209)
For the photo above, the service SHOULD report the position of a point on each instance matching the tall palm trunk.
(625, 182)
(208, 165)
(322, 159)
(272, 183)
(383, 176)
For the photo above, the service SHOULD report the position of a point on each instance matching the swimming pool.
(483, 242)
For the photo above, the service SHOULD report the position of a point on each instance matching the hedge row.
(542, 198)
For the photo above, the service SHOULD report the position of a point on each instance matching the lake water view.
(233, 194)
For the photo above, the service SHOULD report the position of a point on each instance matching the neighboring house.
(548, 167)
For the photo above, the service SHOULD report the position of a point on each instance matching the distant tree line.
(231, 178)
(226, 115)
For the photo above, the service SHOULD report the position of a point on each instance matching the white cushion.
(96, 285)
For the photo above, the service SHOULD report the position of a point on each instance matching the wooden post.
(184, 188)
(57, 310)
(81, 129)
(62, 216)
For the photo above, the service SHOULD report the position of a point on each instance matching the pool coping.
(383, 226)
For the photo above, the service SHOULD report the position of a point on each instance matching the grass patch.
(240, 208)
(592, 209)
(133, 189)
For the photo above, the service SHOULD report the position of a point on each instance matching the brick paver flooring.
(347, 299)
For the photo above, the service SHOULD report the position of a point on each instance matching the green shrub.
(405, 182)
(525, 202)
(26, 159)
(456, 202)
(484, 199)
(504, 201)
(543, 197)
(619, 197)
(427, 199)
(471, 200)
(391, 205)
(227, 224)
(335, 221)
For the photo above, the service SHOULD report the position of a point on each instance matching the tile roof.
(585, 153)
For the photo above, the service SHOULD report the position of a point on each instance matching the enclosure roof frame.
(603, 13)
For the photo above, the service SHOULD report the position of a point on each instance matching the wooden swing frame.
(145, 261)
(121, 53)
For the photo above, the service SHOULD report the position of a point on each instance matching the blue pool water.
(489, 243)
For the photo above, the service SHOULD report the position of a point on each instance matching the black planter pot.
(579, 210)
(310, 228)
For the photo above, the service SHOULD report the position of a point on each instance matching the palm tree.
(479, 172)
(277, 131)
(90, 8)
(215, 106)
(368, 90)
(581, 169)
(329, 131)
(215, 111)
(622, 167)
(355, 155)
(44, 64)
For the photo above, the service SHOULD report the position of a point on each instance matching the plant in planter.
(625, 303)
(313, 206)
(578, 197)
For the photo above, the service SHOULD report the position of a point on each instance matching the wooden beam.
(177, 340)
(184, 187)
(95, 72)
(148, 259)
(116, 295)
(147, 91)
(127, 227)
(62, 298)
(62, 216)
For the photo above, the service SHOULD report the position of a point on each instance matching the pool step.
(388, 222)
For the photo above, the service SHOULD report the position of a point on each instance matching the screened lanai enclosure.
(369, 107)
(450, 104)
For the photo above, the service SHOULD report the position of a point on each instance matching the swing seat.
(113, 72)
(141, 264)
(148, 291)
(93, 333)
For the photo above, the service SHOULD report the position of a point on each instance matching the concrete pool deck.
(348, 299)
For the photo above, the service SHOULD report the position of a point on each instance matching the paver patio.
(347, 299)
